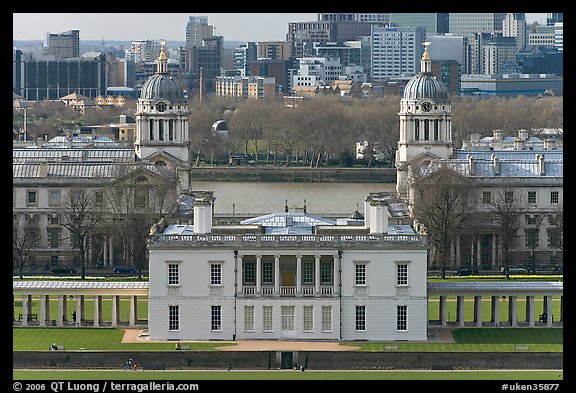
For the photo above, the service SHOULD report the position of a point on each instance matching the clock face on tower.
(426, 106)
(161, 106)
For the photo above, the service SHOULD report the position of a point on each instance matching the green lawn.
(103, 339)
(483, 340)
(466, 339)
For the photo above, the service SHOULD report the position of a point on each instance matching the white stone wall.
(380, 295)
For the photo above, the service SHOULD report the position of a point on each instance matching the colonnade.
(532, 318)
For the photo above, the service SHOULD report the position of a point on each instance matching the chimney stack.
(203, 205)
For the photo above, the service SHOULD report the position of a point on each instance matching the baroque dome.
(425, 86)
(162, 86)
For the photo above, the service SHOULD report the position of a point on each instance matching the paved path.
(435, 335)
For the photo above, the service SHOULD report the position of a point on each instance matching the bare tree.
(25, 236)
(248, 123)
(200, 122)
(82, 217)
(506, 212)
(137, 201)
(532, 235)
(441, 205)
(556, 229)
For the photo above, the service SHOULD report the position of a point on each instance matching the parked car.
(514, 270)
(124, 270)
(465, 271)
(63, 270)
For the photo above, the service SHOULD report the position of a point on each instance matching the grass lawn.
(101, 339)
(483, 340)
(466, 339)
(276, 375)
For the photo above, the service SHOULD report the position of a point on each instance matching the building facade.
(524, 170)
(142, 175)
(287, 275)
(48, 78)
(63, 45)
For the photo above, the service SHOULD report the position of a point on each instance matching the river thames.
(255, 198)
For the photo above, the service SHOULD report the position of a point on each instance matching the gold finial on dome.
(162, 63)
(426, 56)
(162, 56)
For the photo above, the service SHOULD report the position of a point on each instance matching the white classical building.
(288, 275)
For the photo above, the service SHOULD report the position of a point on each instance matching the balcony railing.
(291, 241)
(250, 290)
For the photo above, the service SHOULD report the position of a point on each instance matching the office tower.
(514, 25)
(396, 51)
(433, 22)
(198, 29)
(554, 17)
(63, 45)
(471, 23)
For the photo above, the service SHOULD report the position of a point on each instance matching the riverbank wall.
(266, 360)
(294, 174)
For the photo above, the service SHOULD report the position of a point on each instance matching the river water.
(255, 198)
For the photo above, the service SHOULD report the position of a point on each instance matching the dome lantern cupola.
(162, 85)
(162, 62)
(425, 85)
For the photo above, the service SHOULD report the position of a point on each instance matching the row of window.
(249, 272)
(54, 195)
(509, 197)
(140, 197)
(287, 318)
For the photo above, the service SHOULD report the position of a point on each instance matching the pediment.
(162, 156)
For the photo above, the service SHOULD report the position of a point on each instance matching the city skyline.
(167, 26)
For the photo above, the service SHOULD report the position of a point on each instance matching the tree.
(25, 236)
(556, 228)
(441, 201)
(82, 218)
(248, 123)
(532, 234)
(200, 122)
(506, 212)
(137, 200)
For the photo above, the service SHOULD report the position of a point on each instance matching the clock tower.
(162, 116)
(425, 123)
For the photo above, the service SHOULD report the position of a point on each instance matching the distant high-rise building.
(242, 55)
(541, 36)
(198, 29)
(207, 58)
(396, 51)
(63, 45)
(50, 79)
(274, 50)
(145, 51)
(434, 23)
(383, 18)
(554, 17)
(303, 36)
(514, 25)
(468, 24)
(559, 35)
